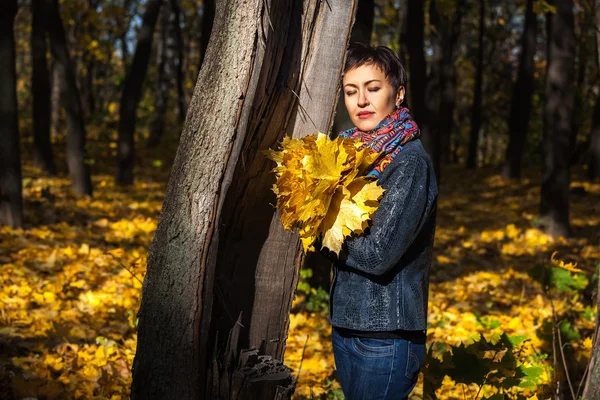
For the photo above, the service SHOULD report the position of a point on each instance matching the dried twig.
(302, 359)
(556, 327)
(124, 267)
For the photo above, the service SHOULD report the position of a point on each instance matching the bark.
(558, 140)
(521, 99)
(361, 32)
(594, 148)
(477, 98)
(208, 16)
(76, 154)
(40, 88)
(592, 388)
(11, 202)
(132, 90)
(273, 69)
(448, 81)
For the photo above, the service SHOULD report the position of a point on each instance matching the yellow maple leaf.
(561, 264)
(321, 189)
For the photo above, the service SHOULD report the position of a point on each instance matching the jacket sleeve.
(395, 222)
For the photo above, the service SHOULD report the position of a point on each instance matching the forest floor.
(72, 279)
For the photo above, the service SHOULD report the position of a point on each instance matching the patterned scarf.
(388, 137)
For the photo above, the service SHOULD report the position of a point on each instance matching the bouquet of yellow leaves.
(322, 189)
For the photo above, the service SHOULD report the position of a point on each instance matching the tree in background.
(178, 62)
(40, 90)
(424, 90)
(259, 81)
(415, 26)
(76, 136)
(476, 107)
(88, 60)
(132, 90)
(594, 148)
(521, 98)
(11, 203)
(448, 27)
(558, 139)
(208, 15)
(169, 71)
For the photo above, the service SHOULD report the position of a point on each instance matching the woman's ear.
(400, 95)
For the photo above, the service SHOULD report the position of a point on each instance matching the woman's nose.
(362, 99)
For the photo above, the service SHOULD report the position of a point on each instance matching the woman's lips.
(365, 114)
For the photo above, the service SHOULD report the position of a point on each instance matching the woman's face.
(369, 96)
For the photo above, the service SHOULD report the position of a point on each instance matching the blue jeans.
(376, 368)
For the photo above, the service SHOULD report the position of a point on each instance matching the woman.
(378, 299)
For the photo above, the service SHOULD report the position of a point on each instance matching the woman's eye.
(374, 89)
(350, 93)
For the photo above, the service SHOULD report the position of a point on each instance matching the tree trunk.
(448, 82)
(76, 154)
(424, 90)
(40, 90)
(594, 148)
(592, 387)
(521, 98)
(87, 84)
(178, 62)
(208, 16)
(132, 90)
(582, 57)
(169, 72)
(558, 140)
(11, 202)
(403, 40)
(415, 28)
(55, 116)
(477, 98)
(431, 133)
(166, 54)
(361, 32)
(88, 65)
(220, 251)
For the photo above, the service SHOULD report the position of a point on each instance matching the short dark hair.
(383, 57)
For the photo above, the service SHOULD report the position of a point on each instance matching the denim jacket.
(382, 283)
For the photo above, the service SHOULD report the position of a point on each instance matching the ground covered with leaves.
(72, 286)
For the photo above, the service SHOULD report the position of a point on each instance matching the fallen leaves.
(71, 291)
(72, 284)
